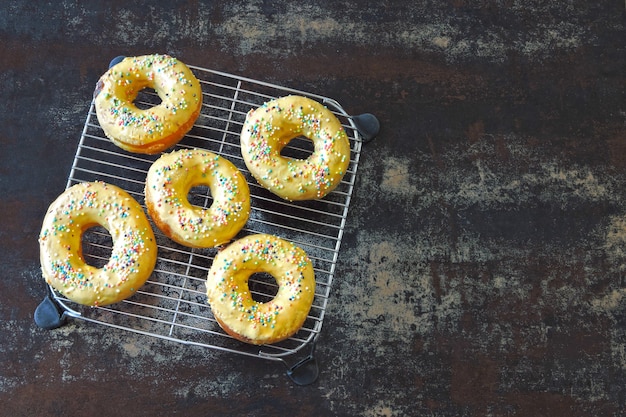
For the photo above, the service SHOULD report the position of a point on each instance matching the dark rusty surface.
(482, 271)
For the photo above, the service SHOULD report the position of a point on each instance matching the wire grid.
(172, 304)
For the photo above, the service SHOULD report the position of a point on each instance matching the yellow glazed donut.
(134, 252)
(229, 295)
(269, 128)
(168, 183)
(157, 128)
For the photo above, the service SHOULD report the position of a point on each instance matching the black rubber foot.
(48, 314)
(368, 126)
(304, 372)
(116, 61)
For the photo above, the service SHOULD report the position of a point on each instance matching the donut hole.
(97, 246)
(147, 98)
(263, 287)
(298, 148)
(200, 196)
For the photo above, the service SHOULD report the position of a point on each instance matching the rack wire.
(172, 304)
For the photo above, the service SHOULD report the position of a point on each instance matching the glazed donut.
(229, 295)
(157, 128)
(168, 183)
(133, 255)
(270, 127)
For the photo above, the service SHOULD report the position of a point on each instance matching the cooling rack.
(172, 304)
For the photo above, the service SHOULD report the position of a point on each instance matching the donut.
(133, 255)
(173, 175)
(157, 128)
(229, 296)
(270, 127)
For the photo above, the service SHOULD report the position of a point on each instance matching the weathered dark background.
(483, 269)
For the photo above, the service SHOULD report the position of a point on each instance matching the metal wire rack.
(172, 304)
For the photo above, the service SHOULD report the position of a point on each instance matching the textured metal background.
(483, 264)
